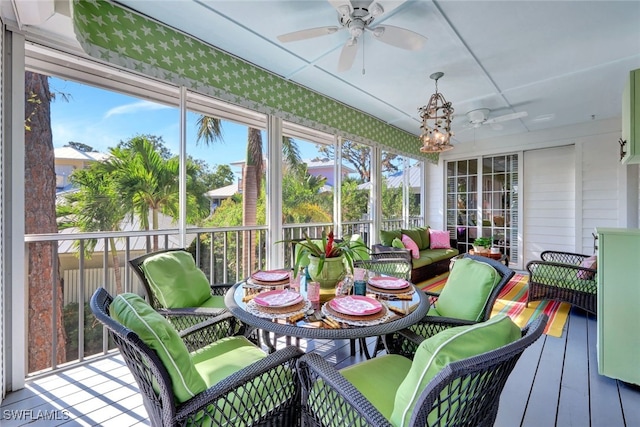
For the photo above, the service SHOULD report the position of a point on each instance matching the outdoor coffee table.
(313, 328)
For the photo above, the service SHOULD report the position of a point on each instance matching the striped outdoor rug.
(512, 301)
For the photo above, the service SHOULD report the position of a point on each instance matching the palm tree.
(40, 217)
(209, 131)
(95, 206)
(148, 184)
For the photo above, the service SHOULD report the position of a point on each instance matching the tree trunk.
(40, 217)
(250, 199)
(116, 265)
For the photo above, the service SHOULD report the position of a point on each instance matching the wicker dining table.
(401, 313)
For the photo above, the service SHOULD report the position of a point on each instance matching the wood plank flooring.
(555, 383)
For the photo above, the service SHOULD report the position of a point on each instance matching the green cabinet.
(630, 141)
(619, 303)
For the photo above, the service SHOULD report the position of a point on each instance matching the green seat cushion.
(378, 379)
(387, 236)
(224, 357)
(415, 235)
(214, 301)
(436, 255)
(448, 346)
(423, 260)
(176, 280)
(424, 236)
(156, 332)
(467, 290)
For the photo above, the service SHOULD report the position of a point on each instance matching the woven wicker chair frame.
(559, 280)
(464, 393)
(180, 317)
(239, 390)
(431, 325)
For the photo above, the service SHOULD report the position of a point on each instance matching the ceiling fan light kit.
(356, 17)
(436, 118)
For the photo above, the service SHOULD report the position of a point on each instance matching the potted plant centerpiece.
(328, 258)
(481, 244)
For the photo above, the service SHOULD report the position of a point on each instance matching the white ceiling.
(563, 62)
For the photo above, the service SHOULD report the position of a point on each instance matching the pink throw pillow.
(590, 262)
(411, 246)
(439, 239)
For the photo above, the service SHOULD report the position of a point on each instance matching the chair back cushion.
(176, 280)
(467, 290)
(156, 332)
(415, 235)
(387, 236)
(443, 348)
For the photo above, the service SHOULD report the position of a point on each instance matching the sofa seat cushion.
(157, 333)
(378, 379)
(224, 357)
(446, 347)
(436, 255)
(175, 279)
(422, 260)
(560, 277)
(467, 290)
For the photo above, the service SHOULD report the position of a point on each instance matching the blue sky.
(102, 118)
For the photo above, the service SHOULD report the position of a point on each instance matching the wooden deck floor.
(555, 383)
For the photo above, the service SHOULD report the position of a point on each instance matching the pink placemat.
(270, 275)
(388, 282)
(278, 298)
(355, 305)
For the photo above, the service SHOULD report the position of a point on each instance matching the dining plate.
(355, 305)
(388, 283)
(278, 298)
(270, 275)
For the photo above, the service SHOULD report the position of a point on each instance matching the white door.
(548, 205)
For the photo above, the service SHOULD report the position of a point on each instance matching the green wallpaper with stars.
(111, 33)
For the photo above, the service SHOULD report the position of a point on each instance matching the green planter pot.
(332, 272)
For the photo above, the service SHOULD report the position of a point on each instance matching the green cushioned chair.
(200, 376)
(565, 277)
(472, 288)
(456, 378)
(177, 288)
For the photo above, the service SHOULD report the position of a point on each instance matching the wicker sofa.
(431, 261)
(562, 276)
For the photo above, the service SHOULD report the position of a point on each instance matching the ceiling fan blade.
(507, 117)
(399, 37)
(348, 55)
(307, 34)
(343, 7)
(496, 126)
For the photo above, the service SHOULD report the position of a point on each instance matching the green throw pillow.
(397, 243)
(467, 290)
(387, 236)
(424, 235)
(156, 332)
(176, 280)
(443, 348)
(415, 236)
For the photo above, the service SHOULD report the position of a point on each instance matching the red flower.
(329, 248)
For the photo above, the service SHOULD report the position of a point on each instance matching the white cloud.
(135, 107)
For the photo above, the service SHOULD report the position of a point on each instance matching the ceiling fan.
(480, 117)
(356, 16)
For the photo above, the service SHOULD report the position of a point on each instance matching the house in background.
(68, 159)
